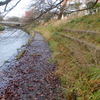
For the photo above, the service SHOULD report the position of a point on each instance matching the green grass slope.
(2, 28)
(78, 64)
(89, 22)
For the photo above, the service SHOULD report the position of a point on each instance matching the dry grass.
(74, 63)
(77, 64)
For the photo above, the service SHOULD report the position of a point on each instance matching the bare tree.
(7, 5)
(43, 6)
(60, 6)
(30, 15)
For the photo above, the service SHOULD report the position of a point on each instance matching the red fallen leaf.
(10, 92)
(51, 92)
(42, 95)
(16, 95)
(24, 72)
(16, 66)
(3, 99)
(35, 99)
(30, 89)
(36, 80)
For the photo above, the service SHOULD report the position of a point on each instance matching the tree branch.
(11, 8)
(4, 2)
(48, 10)
(85, 8)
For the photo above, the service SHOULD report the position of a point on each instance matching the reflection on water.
(10, 40)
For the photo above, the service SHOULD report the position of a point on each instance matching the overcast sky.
(20, 8)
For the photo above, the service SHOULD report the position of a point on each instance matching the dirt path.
(32, 77)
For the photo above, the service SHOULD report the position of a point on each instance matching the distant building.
(83, 3)
(73, 4)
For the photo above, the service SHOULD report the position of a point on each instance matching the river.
(11, 40)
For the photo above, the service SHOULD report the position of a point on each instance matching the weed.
(26, 30)
(6, 61)
(78, 20)
(20, 54)
(89, 21)
(58, 29)
(52, 60)
(53, 45)
(72, 21)
(23, 45)
(31, 39)
(99, 20)
(36, 54)
(87, 27)
(98, 39)
(63, 80)
(83, 18)
(17, 48)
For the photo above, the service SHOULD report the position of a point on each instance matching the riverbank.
(32, 76)
(1, 27)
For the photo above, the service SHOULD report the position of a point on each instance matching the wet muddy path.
(32, 77)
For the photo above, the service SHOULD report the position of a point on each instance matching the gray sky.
(20, 8)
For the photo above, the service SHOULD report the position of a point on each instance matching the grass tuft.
(21, 54)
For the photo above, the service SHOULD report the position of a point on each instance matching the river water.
(11, 40)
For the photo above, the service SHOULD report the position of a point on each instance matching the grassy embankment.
(2, 28)
(78, 65)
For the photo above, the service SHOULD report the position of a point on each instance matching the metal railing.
(85, 12)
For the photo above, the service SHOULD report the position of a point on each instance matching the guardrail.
(82, 13)
(95, 10)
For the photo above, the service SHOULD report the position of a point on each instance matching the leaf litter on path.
(32, 77)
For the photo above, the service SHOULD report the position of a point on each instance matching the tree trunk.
(60, 15)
